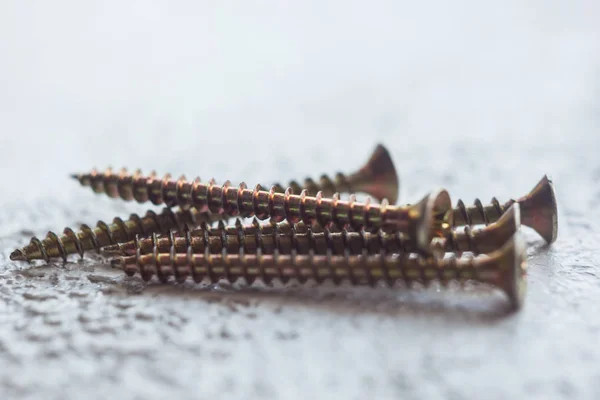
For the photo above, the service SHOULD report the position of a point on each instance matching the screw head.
(512, 261)
(539, 210)
(436, 217)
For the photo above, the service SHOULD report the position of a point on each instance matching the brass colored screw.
(267, 238)
(538, 211)
(284, 238)
(70, 242)
(377, 178)
(504, 268)
(421, 222)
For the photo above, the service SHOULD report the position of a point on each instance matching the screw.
(53, 246)
(504, 268)
(302, 239)
(267, 238)
(421, 222)
(538, 211)
(377, 178)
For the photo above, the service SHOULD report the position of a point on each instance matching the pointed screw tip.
(18, 255)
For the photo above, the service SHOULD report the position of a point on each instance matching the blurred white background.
(184, 85)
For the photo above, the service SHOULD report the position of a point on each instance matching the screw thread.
(268, 238)
(358, 269)
(134, 186)
(87, 238)
(286, 238)
(478, 213)
(458, 241)
(326, 185)
(241, 201)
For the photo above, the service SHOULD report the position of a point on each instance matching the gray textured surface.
(482, 99)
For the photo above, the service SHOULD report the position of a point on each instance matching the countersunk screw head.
(539, 210)
(378, 177)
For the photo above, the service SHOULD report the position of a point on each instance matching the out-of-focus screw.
(377, 178)
(284, 238)
(429, 218)
(71, 242)
(504, 268)
(538, 211)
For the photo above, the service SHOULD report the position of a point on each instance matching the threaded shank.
(268, 238)
(241, 201)
(358, 269)
(299, 238)
(479, 213)
(458, 241)
(326, 185)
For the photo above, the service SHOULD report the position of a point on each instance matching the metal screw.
(421, 222)
(504, 268)
(300, 238)
(538, 211)
(53, 245)
(377, 178)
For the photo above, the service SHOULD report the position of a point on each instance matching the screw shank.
(268, 238)
(478, 213)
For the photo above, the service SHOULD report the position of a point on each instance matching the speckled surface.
(480, 99)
